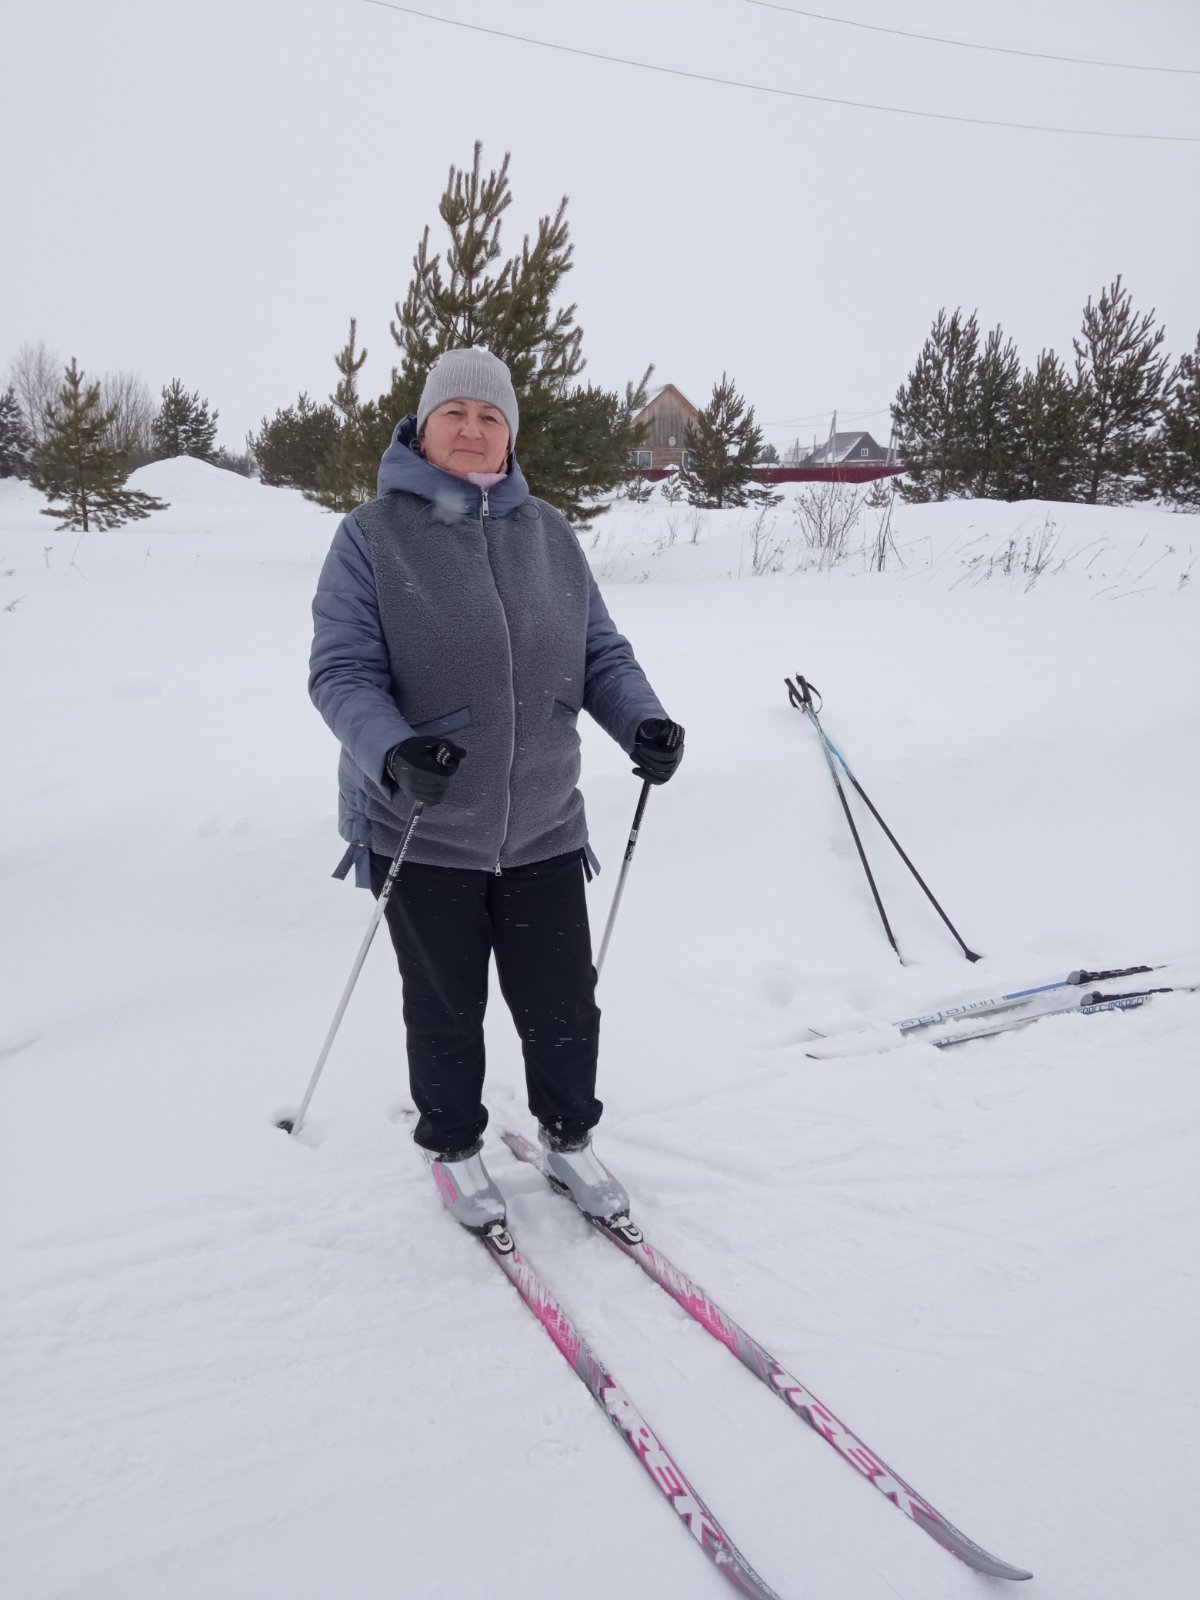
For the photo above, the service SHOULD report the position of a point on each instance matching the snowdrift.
(247, 1366)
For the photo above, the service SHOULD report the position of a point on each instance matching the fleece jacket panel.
(446, 610)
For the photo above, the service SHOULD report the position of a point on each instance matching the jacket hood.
(404, 468)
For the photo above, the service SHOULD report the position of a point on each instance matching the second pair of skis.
(958, 1022)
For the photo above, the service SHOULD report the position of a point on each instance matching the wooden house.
(664, 419)
(667, 414)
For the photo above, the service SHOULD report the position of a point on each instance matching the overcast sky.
(211, 189)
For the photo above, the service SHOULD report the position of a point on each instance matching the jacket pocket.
(449, 722)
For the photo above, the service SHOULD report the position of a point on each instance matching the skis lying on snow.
(698, 1305)
(624, 1416)
(979, 1019)
(1001, 1002)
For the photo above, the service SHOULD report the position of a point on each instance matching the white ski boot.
(467, 1190)
(590, 1184)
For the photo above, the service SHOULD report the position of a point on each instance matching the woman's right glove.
(422, 768)
(657, 749)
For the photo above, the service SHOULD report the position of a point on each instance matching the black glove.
(422, 768)
(658, 749)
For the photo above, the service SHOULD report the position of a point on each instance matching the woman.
(458, 634)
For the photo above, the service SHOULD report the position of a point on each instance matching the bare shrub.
(129, 432)
(827, 515)
(881, 501)
(768, 549)
(36, 375)
(1023, 556)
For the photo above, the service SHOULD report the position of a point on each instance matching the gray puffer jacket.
(444, 609)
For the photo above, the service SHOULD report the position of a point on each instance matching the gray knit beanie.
(472, 374)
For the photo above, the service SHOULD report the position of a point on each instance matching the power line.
(788, 94)
(819, 416)
(968, 44)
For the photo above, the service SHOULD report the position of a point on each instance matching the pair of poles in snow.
(293, 1124)
(801, 695)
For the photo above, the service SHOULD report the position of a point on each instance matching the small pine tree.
(292, 446)
(988, 438)
(348, 474)
(1178, 445)
(673, 487)
(1121, 376)
(768, 456)
(931, 413)
(184, 425)
(574, 442)
(241, 462)
(1046, 457)
(16, 446)
(722, 449)
(76, 465)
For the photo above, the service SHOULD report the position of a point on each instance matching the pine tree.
(722, 449)
(184, 426)
(1047, 447)
(1121, 377)
(348, 474)
(76, 465)
(574, 441)
(990, 432)
(16, 446)
(1178, 445)
(292, 446)
(931, 413)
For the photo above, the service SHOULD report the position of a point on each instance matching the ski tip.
(968, 1551)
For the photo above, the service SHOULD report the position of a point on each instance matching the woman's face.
(465, 436)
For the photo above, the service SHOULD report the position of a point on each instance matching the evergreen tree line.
(78, 440)
(136, 429)
(1122, 425)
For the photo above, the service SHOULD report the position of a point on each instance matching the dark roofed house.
(847, 450)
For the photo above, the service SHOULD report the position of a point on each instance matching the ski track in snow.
(241, 1365)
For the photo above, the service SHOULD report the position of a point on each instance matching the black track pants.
(445, 925)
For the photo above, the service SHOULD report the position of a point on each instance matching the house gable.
(664, 421)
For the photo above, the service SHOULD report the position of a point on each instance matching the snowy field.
(237, 1365)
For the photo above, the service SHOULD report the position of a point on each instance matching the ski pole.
(629, 849)
(291, 1125)
(802, 699)
(970, 954)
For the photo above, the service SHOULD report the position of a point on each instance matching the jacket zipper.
(483, 516)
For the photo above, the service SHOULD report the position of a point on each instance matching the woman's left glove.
(657, 750)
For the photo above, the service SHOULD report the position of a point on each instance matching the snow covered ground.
(244, 1366)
